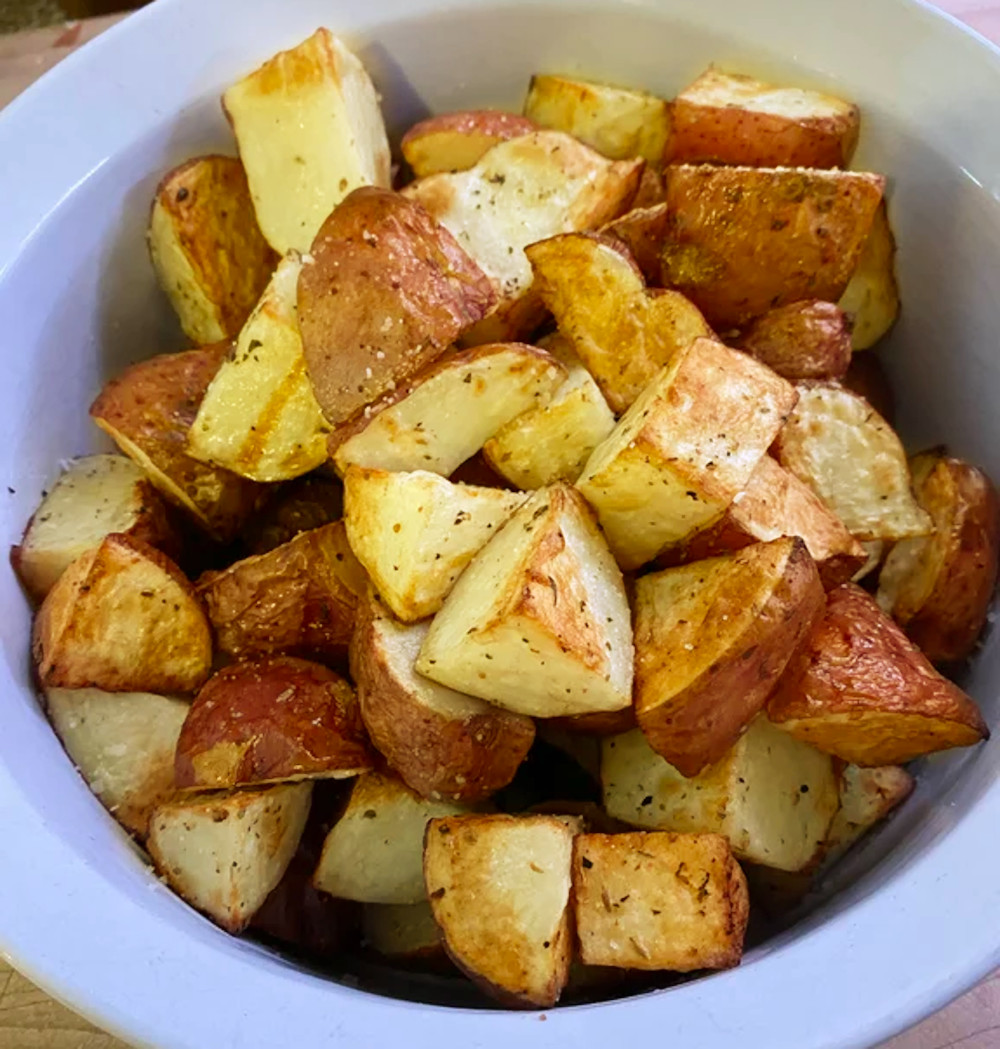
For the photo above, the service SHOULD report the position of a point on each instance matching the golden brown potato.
(871, 298)
(148, 411)
(95, 496)
(810, 339)
(643, 230)
(457, 141)
(310, 130)
(711, 640)
(619, 122)
(122, 618)
(622, 332)
(685, 448)
(499, 887)
(860, 690)
(271, 721)
(404, 932)
(441, 742)
(123, 744)
(298, 599)
(867, 378)
(298, 506)
(867, 796)
(207, 249)
(655, 900)
(745, 240)
(386, 292)
(539, 622)
(725, 118)
(939, 587)
(835, 442)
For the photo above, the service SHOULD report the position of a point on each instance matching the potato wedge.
(403, 932)
(272, 720)
(449, 411)
(499, 887)
(684, 449)
(224, 853)
(124, 619)
(388, 290)
(745, 240)
(95, 496)
(207, 250)
(810, 339)
(123, 744)
(725, 118)
(773, 797)
(622, 332)
(867, 796)
(306, 503)
(539, 622)
(938, 588)
(457, 141)
(861, 690)
(643, 230)
(711, 640)
(416, 532)
(521, 191)
(871, 298)
(441, 742)
(259, 416)
(310, 130)
(148, 410)
(619, 122)
(655, 900)
(374, 852)
(298, 599)
(836, 443)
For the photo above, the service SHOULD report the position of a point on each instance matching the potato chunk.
(643, 230)
(539, 622)
(457, 141)
(95, 496)
(711, 640)
(871, 298)
(725, 118)
(655, 900)
(499, 887)
(938, 588)
(859, 689)
(772, 796)
(207, 249)
(405, 932)
(310, 130)
(745, 240)
(224, 853)
(867, 796)
(124, 619)
(685, 448)
(803, 340)
(416, 532)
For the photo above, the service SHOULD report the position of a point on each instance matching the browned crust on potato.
(803, 340)
(866, 377)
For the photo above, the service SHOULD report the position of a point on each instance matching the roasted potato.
(441, 742)
(308, 502)
(860, 690)
(655, 900)
(416, 532)
(403, 932)
(207, 249)
(499, 887)
(725, 118)
(711, 640)
(867, 796)
(810, 339)
(224, 853)
(449, 411)
(619, 122)
(298, 599)
(773, 797)
(457, 141)
(374, 852)
(539, 622)
(95, 496)
(836, 443)
(310, 130)
(643, 230)
(622, 332)
(871, 298)
(939, 587)
(123, 744)
(122, 618)
(148, 411)
(385, 291)
(685, 448)
(742, 241)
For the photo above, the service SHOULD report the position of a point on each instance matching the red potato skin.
(457, 141)
(803, 340)
(643, 231)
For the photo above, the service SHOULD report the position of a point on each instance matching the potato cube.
(867, 796)
(457, 141)
(871, 298)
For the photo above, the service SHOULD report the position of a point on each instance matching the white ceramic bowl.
(80, 154)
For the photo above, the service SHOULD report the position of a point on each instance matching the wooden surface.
(29, 1019)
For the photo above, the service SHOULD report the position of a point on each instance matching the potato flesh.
(401, 930)
(458, 141)
(871, 298)
(867, 796)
